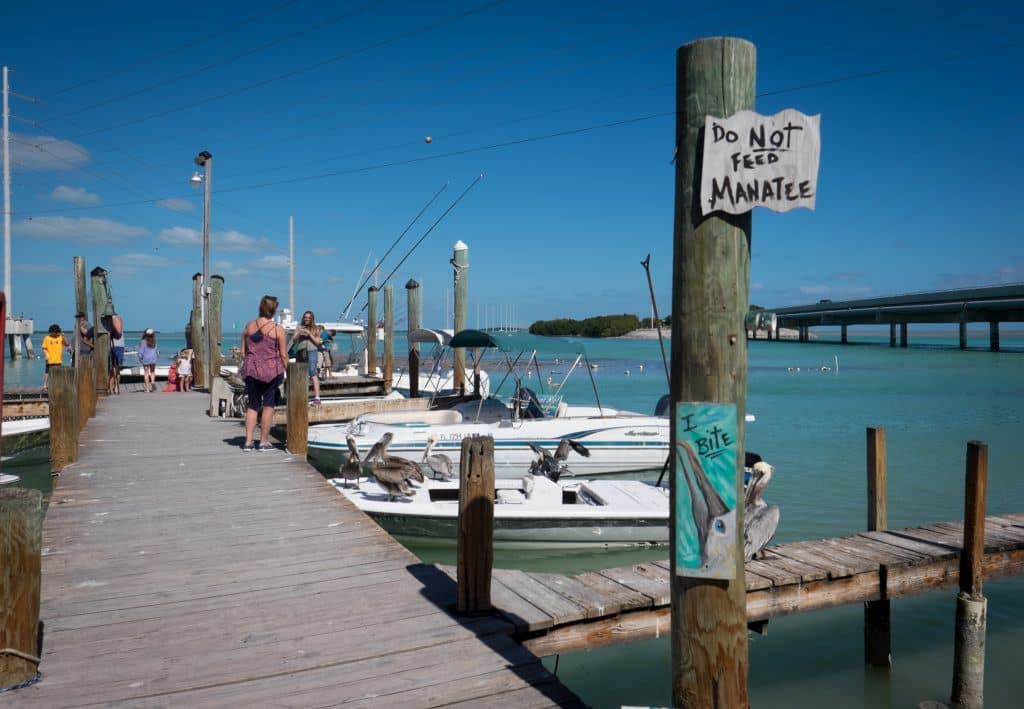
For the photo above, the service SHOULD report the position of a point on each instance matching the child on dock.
(148, 355)
(54, 345)
(185, 370)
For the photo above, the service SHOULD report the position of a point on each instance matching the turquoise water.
(931, 398)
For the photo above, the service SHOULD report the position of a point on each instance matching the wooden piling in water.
(460, 263)
(389, 337)
(476, 524)
(371, 331)
(101, 306)
(413, 317)
(297, 400)
(64, 415)
(971, 605)
(877, 619)
(21, 532)
(710, 288)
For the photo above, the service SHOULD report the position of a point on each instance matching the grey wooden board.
(524, 615)
(561, 609)
(648, 579)
(178, 570)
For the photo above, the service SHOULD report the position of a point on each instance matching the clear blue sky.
(919, 185)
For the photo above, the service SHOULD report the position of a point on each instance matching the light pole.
(205, 160)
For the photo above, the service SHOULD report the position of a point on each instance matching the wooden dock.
(553, 613)
(180, 571)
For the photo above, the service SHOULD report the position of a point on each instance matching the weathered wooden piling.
(877, 619)
(371, 331)
(297, 399)
(710, 286)
(476, 524)
(81, 304)
(971, 604)
(101, 307)
(460, 264)
(214, 325)
(413, 317)
(196, 332)
(389, 336)
(993, 335)
(64, 416)
(85, 390)
(21, 532)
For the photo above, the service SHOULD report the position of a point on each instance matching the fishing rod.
(646, 263)
(355, 292)
(393, 245)
(430, 229)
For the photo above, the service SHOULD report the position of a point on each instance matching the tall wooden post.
(993, 335)
(371, 331)
(21, 529)
(877, 624)
(842, 336)
(297, 399)
(63, 416)
(389, 336)
(213, 330)
(904, 337)
(971, 605)
(85, 390)
(101, 307)
(460, 263)
(892, 334)
(196, 332)
(81, 303)
(413, 316)
(476, 524)
(710, 288)
(963, 334)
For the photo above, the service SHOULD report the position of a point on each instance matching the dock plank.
(649, 579)
(178, 570)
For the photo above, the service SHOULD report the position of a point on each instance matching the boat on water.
(8, 479)
(530, 511)
(619, 441)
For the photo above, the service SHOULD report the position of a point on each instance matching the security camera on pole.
(205, 160)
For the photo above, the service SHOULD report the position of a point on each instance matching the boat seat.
(510, 497)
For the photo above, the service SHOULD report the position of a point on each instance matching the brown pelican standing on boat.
(392, 473)
(554, 466)
(439, 463)
(760, 520)
(410, 469)
(352, 468)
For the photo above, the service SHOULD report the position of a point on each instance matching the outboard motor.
(662, 407)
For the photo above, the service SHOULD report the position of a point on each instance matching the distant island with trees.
(600, 326)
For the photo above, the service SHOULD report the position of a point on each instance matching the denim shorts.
(261, 394)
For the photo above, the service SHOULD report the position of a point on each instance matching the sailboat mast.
(291, 264)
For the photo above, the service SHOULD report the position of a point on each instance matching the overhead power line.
(131, 66)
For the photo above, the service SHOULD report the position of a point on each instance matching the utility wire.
(220, 62)
(301, 70)
(129, 67)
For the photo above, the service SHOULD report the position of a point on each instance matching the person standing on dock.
(148, 355)
(305, 345)
(54, 345)
(115, 326)
(86, 333)
(265, 358)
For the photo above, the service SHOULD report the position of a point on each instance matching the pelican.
(393, 479)
(553, 466)
(352, 468)
(709, 511)
(760, 520)
(411, 470)
(439, 463)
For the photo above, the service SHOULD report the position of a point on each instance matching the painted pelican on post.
(709, 511)
(760, 520)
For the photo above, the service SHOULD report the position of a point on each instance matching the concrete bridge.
(991, 304)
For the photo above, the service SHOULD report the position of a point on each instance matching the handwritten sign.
(705, 485)
(752, 160)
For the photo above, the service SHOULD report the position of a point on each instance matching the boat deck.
(180, 571)
(553, 613)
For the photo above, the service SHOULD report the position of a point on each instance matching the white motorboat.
(7, 479)
(529, 511)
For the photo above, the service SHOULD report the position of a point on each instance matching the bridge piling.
(892, 334)
(842, 335)
(993, 335)
(903, 334)
(963, 334)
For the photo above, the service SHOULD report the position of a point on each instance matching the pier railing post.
(476, 524)
(213, 331)
(371, 331)
(413, 316)
(971, 605)
(81, 302)
(101, 338)
(877, 623)
(297, 393)
(84, 391)
(389, 337)
(196, 333)
(21, 529)
(710, 292)
(64, 415)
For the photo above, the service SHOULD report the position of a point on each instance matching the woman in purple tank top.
(265, 360)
